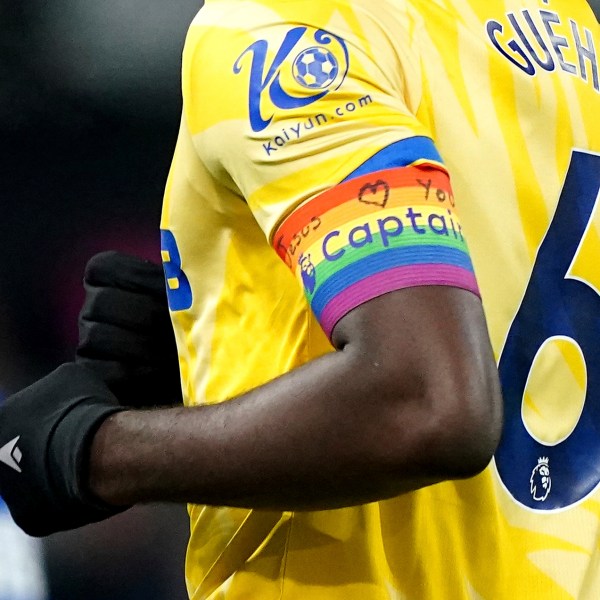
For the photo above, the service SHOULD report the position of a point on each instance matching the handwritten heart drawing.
(377, 193)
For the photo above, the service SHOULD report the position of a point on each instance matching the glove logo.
(10, 454)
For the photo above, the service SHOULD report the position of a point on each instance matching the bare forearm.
(282, 446)
(347, 428)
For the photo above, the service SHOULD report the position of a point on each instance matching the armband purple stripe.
(393, 279)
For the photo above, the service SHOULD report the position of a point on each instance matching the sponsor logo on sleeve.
(306, 66)
(315, 59)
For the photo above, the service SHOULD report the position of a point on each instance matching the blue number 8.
(179, 291)
(554, 305)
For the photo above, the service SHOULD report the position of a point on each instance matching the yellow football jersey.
(294, 110)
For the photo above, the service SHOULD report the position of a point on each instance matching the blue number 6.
(555, 305)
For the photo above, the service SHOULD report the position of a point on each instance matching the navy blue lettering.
(589, 53)
(332, 256)
(456, 234)
(548, 63)
(387, 233)
(437, 224)
(493, 27)
(558, 41)
(366, 238)
(309, 124)
(269, 149)
(412, 215)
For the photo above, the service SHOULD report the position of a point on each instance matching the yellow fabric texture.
(255, 143)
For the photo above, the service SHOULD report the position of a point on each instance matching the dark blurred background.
(89, 110)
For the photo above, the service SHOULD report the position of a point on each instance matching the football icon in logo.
(315, 68)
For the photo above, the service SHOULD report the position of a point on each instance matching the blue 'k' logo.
(317, 68)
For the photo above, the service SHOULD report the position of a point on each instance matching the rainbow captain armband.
(374, 234)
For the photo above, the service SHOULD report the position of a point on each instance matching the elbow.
(452, 436)
(467, 446)
(465, 434)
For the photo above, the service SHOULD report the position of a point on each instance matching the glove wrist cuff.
(69, 454)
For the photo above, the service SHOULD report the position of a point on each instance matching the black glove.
(46, 431)
(125, 332)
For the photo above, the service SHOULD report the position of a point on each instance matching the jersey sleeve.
(310, 113)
